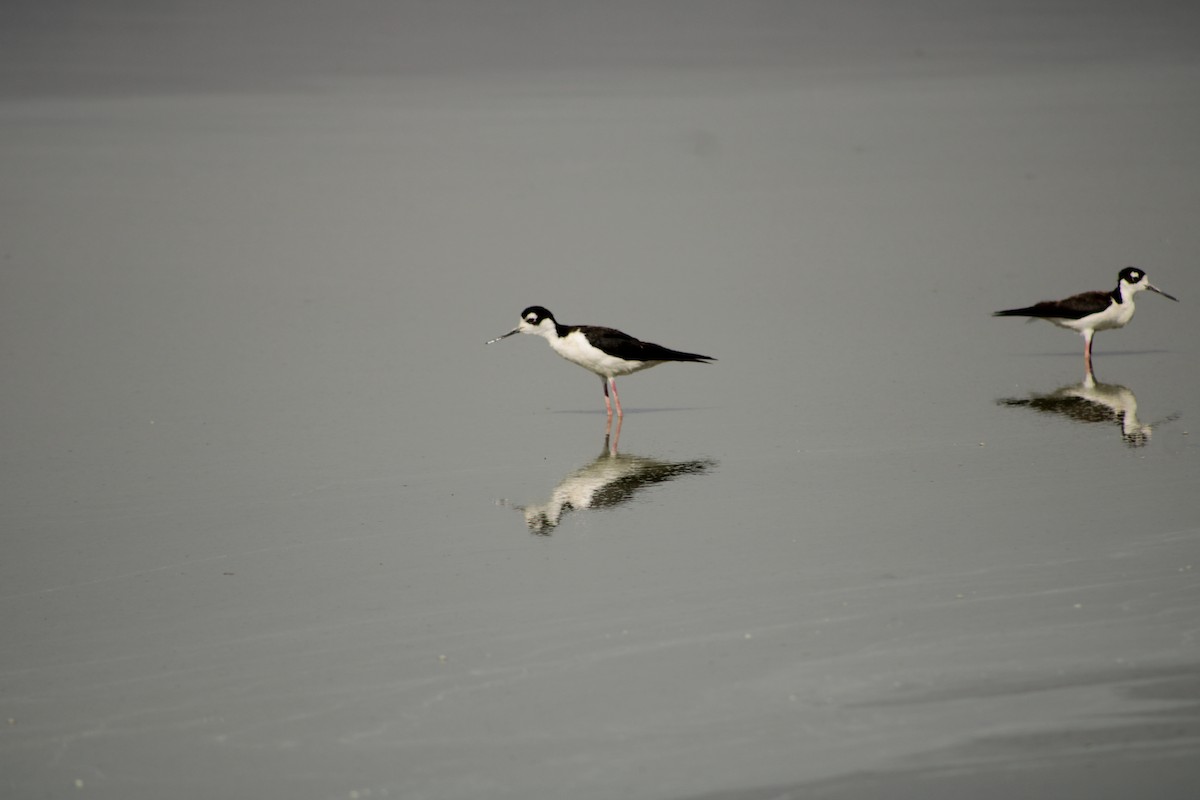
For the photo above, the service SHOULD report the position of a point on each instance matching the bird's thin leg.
(607, 404)
(616, 397)
(1087, 350)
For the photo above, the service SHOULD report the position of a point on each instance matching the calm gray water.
(277, 523)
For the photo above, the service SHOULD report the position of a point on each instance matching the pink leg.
(616, 397)
(607, 404)
(1087, 352)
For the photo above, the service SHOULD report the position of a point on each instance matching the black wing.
(1075, 307)
(622, 345)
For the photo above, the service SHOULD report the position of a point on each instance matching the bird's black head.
(1133, 280)
(535, 314)
(531, 322)
(1131, 275)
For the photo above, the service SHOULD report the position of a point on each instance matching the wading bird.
(1090, 312)
(604, 351)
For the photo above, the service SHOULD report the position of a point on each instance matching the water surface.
(278, 523)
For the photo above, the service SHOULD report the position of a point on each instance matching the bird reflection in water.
(610, 480)
(1093, 401)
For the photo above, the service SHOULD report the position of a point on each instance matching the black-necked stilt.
(1089, 312)
(604, 351)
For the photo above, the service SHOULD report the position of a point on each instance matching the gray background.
(263, 482)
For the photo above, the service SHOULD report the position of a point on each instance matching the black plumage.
(622, 345)
(1074, 307)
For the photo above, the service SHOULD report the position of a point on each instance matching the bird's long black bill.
(1160, 291)
(516, 330)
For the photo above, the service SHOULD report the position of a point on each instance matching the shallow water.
(278, 522)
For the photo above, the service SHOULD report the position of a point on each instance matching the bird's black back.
(1075, 307)
(622, 345)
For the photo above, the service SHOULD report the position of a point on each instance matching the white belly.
(574, 347)
(1116, 315)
